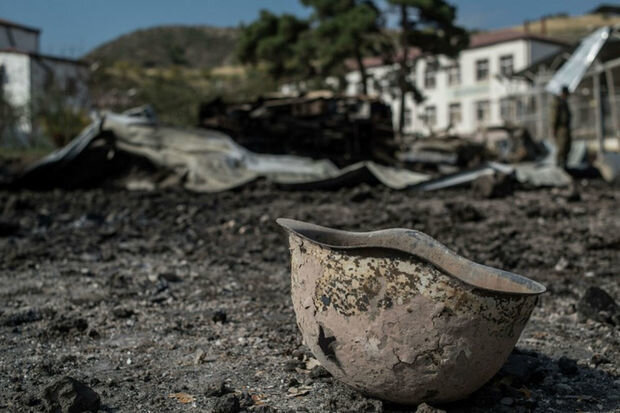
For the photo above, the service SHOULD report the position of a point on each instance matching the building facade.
(29, 79)
(466, 94)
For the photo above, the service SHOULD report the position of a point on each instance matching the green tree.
(346, 29)
(428, 25)
(282, 44)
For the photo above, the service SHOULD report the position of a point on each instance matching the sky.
(74, 27)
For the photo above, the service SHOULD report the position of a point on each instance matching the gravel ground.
(172, 301)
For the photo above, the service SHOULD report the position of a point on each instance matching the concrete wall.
(32, 81)
(466, 93)
(16, 85)
(18, 39)
(59, 78)
(470, 90)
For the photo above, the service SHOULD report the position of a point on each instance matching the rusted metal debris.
(344, 129)
(397, 315)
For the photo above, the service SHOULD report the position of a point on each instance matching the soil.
(173, 301)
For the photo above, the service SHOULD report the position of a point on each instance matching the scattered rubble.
(69, 395)
(230, 256)
(319, 124)
(598, 305)
(425, 408)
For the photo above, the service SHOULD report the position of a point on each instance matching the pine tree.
(282, 44)
(345, 29)
(428, 25)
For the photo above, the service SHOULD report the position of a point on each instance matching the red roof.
(476, 40)
(8, 23)
(507, 35)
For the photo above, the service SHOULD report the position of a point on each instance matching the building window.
(71, 86)
(482, 69)
(454, 113)
(407, 117)
(454, 75)
(483, 111)
(48, 83)
(3, 80)
(430, 75)
(430, 114)
(507, 109)
(506, 65)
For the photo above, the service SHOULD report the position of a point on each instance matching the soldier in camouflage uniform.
(561, 127)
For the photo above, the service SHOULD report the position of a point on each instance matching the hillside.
(569, 28)
(163, 46)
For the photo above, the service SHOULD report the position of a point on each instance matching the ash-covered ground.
(178, 302)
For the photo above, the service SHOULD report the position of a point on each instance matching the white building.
(29, 79)
(471, 92)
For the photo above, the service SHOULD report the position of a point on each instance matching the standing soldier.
(561, 127)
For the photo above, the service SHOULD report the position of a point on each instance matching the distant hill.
(187, 46)
(570, 29)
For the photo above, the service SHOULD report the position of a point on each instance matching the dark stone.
(318, 372)
(361, 195)
(264, 409)
(522, 367)
(497, 185)
(507, 401)
(227, 404)
(8, 228)
(122, 312)
(170, 277)
(217, 388)
(425, 408)
(31, 401)
(220, 317)
(68, 395)
(65, 325)
(21, 317)
(568, 366)
(597, 305)
(291, 365)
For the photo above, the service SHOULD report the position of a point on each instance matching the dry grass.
(570, 28)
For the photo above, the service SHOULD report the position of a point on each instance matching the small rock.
(264, 409)
(65, 325)
(21, 317)
(497, 185)
(291, 365)
(521, 366)
(361, 195)
(318, 372)
(598, 305)
(599, 359)
(68, 395)
(507, 401)
(219, 317)
(217, 388)
(567, 366)
(561, 265)
(425, 408)
(170, 277)
(31, 401)
(122, 312)
(562, 388)
(8, 228)
(293, 382)
(227, 404)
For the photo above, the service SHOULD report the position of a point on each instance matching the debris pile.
(320, 124)
(133, 151)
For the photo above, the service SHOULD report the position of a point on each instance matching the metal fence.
(535, 115)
